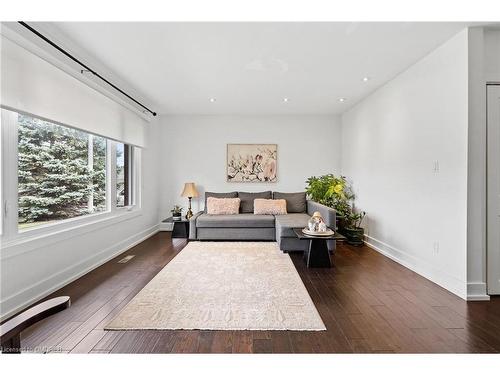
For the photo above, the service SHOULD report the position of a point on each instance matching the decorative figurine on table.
(322, 226)
(316, 223)
(316, 226)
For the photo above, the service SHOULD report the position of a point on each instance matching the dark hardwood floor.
(368, 303)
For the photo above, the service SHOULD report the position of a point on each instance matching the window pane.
(99, 173)
(123, 175)
(120, 175)
(61, 172)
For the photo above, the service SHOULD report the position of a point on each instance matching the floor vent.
(126, 259)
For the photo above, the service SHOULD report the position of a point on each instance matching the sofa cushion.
(246, 205)
(232, 194)
(295, 202)
(235, 221)
(286, 223)
(269, 207)
(223, 206)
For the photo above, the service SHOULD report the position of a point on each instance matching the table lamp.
(189, 192)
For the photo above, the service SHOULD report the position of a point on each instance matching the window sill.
(31, 240)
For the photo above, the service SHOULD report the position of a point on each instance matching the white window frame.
(10, 235)
(134, 179)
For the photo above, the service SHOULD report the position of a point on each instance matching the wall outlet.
(435, 166)
(435, 247)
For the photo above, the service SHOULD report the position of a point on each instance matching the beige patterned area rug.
(223, 286)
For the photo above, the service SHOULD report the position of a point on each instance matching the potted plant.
(354, 233)
(176, 213)
(333, 192)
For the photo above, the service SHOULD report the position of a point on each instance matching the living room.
(236, 187)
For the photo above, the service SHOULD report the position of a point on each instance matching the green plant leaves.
(335, 192)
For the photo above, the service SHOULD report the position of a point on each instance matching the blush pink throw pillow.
(223, 206)
(269, 207)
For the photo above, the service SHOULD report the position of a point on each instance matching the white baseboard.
(419, 266)
(22, 299)
(477, 292)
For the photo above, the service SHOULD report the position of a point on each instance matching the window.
(61, 172)
(124, 175)
(51, 173)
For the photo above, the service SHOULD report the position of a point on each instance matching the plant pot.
(177, 216)
(355, 236)
(341, 224)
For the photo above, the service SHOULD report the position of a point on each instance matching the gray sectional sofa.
(246, 226)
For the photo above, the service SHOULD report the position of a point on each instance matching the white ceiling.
(250, 67)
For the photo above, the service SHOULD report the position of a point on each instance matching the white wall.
(194, 149)
(492, 55)
(32, 270)
(391, 142)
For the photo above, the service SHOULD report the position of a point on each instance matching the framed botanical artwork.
(252, 163)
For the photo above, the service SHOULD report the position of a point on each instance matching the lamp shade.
(189, 190)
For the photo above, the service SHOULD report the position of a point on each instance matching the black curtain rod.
(83, 65)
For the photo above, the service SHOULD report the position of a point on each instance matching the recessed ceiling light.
(366, 79)
(342, 100)
(286, 100)
(213, 100)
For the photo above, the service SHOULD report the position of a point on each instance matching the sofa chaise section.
(285, 224)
